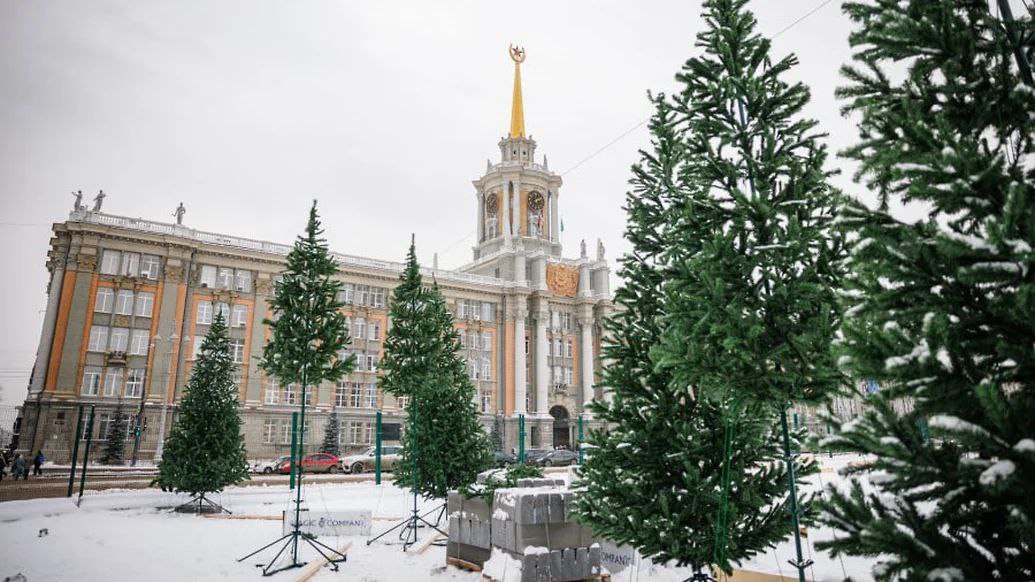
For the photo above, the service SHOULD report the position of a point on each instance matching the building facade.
(129, 301)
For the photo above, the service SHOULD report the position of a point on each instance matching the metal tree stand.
(201, 504)
(409, 526)
(290, 539)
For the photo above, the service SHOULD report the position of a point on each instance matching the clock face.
(491, 204)
(536, 202)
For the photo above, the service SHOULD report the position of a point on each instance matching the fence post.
(521, 438)
(75, 450)
(86, 453)
(377, 449)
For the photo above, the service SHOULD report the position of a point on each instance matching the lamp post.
(160, 447)
(138, 429)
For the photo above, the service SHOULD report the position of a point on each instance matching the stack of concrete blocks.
(469, 528)
(535, 526)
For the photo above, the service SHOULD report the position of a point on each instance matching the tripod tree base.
(408, 527)
(201, 504)
(332, 556)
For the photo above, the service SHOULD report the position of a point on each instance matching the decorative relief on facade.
(562, 280)
(263, 286)
(86, 263)
(174, 273)
(121, 321)
(223, 295)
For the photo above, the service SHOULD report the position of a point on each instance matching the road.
(54, 484)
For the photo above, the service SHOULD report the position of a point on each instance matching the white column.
(555, 233)
(542, 372)
(520, 365)
(586, 363)
(43, 354)
(505, 201)
(480, 216)
(516, 218)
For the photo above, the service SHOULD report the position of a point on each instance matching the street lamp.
(165, 400)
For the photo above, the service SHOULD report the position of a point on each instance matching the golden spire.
(517, 110)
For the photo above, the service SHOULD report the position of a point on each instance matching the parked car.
(501, 459)
(533, 455)
(269, 466)
(313, 463)
(364, 462)
(558, 458)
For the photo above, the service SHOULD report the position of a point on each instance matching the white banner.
(330, 523)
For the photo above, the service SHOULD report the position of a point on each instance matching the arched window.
(491, 206)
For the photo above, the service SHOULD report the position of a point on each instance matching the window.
(208, 276)
(374, 331)
(119, 339)
(567, 376)
(377, 296)
(124, 302)
(130, 264)
(569, 349)
(566, 321)
(225, 278)
(104, 301)
(341, 394)
(149, 266)
(486, 401)
(555, 320)
(139, 341)
(269, 431)
(463, 339)
(285, 432)
(486, 368)
(472, 368)
(402, 402)
(244, 281)
(361, 294)
(372, 395)
(557, 375)
(113, 382)
(237, 350)
(348, 293)
(98, 339)
(372, 362)
(359, 328)
(272, 391)
(224, 310)
(104, 426)
(91, 380)
(526, 345)
(135, 383)
(205, 312)
(360, 433)
(145, 304)
(486, 341)
(240, 317)
(110, 262)
(355, 394)
(487, 309)
(290, 394)
(309, 395)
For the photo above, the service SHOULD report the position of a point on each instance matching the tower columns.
(586, 357)
(555, 233)
(542, 375)
(505, 226)
(516, 215)
(520, 364)
(480, 215)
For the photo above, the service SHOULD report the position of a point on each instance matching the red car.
(313, 463)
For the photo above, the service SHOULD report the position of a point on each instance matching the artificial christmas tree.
(307, 345)
(205, 450)
(728, 311)
(331, 433)
(444, 446)
(941, 310)
(115, 440)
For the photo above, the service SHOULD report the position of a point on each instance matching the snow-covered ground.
(117, 534)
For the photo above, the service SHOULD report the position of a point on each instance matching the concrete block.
(467, 553)
(541, 482)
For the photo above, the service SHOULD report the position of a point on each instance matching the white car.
(365, 462)
(269, 467)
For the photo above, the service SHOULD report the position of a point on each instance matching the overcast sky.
(245, 111)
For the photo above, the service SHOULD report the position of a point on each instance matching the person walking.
(3, 466)
(37, 463)
(19, 468)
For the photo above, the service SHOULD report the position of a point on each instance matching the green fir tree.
(942, 311)
(115, 443)
(205, 451)
(444, 446)
(726, 313)
(330, 435)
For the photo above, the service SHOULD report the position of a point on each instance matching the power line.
(800, 18)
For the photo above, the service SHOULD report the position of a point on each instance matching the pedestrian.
(3, 466)
(37, 463)
(19, 468)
